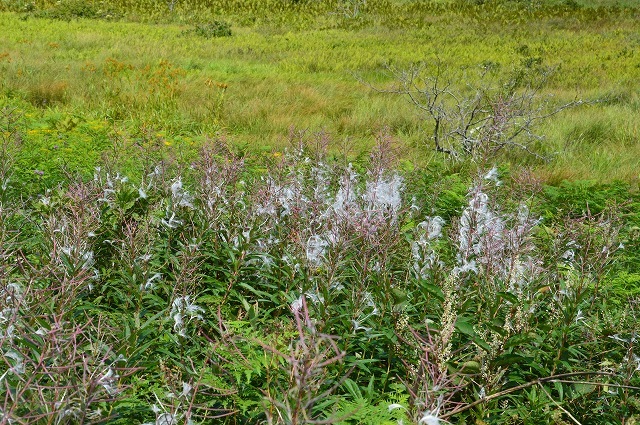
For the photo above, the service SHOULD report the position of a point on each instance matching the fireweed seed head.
(428, 418)
(297, 304)
(395, 406)
(179, 196)
(181, 307)
(315, 296)
(492, 175)
(150, 284)
(176, 187)
(172, 222)
(358, 326)
(316, 249)
(109, 382)
(385, 194)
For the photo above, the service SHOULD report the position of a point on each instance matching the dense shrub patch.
(306, 291)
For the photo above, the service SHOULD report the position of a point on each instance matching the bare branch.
(486, 118)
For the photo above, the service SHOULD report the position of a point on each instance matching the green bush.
(66, 10)
(213, 29)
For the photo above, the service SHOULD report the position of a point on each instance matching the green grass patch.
(269, 77)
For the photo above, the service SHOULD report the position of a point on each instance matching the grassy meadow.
(306, 211)
(312, 69)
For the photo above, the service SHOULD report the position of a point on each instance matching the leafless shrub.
(478, 120)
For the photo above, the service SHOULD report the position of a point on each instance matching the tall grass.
(299, 65)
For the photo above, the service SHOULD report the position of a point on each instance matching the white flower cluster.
(182, 307)
(499, 244)
(179, 196)
(110, 185)
(331, 211)
(423, 252)
(11, 296)
(480, 234)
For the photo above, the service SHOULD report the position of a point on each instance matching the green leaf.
(153, 318)
(399, 296)
(410, 225)
(467, 304)
(518, 340)
(482, 344)
(507, 296)
(508, 359)
(465, 328)
(243, 301)
(470, 367)
(433, 290)
(559, 389)
(583, 389)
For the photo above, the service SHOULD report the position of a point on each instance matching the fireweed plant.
(305, 289)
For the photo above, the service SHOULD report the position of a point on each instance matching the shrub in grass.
(66, 10)
(212, 29)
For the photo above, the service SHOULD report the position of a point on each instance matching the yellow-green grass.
(256, 85)
(599, 141)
